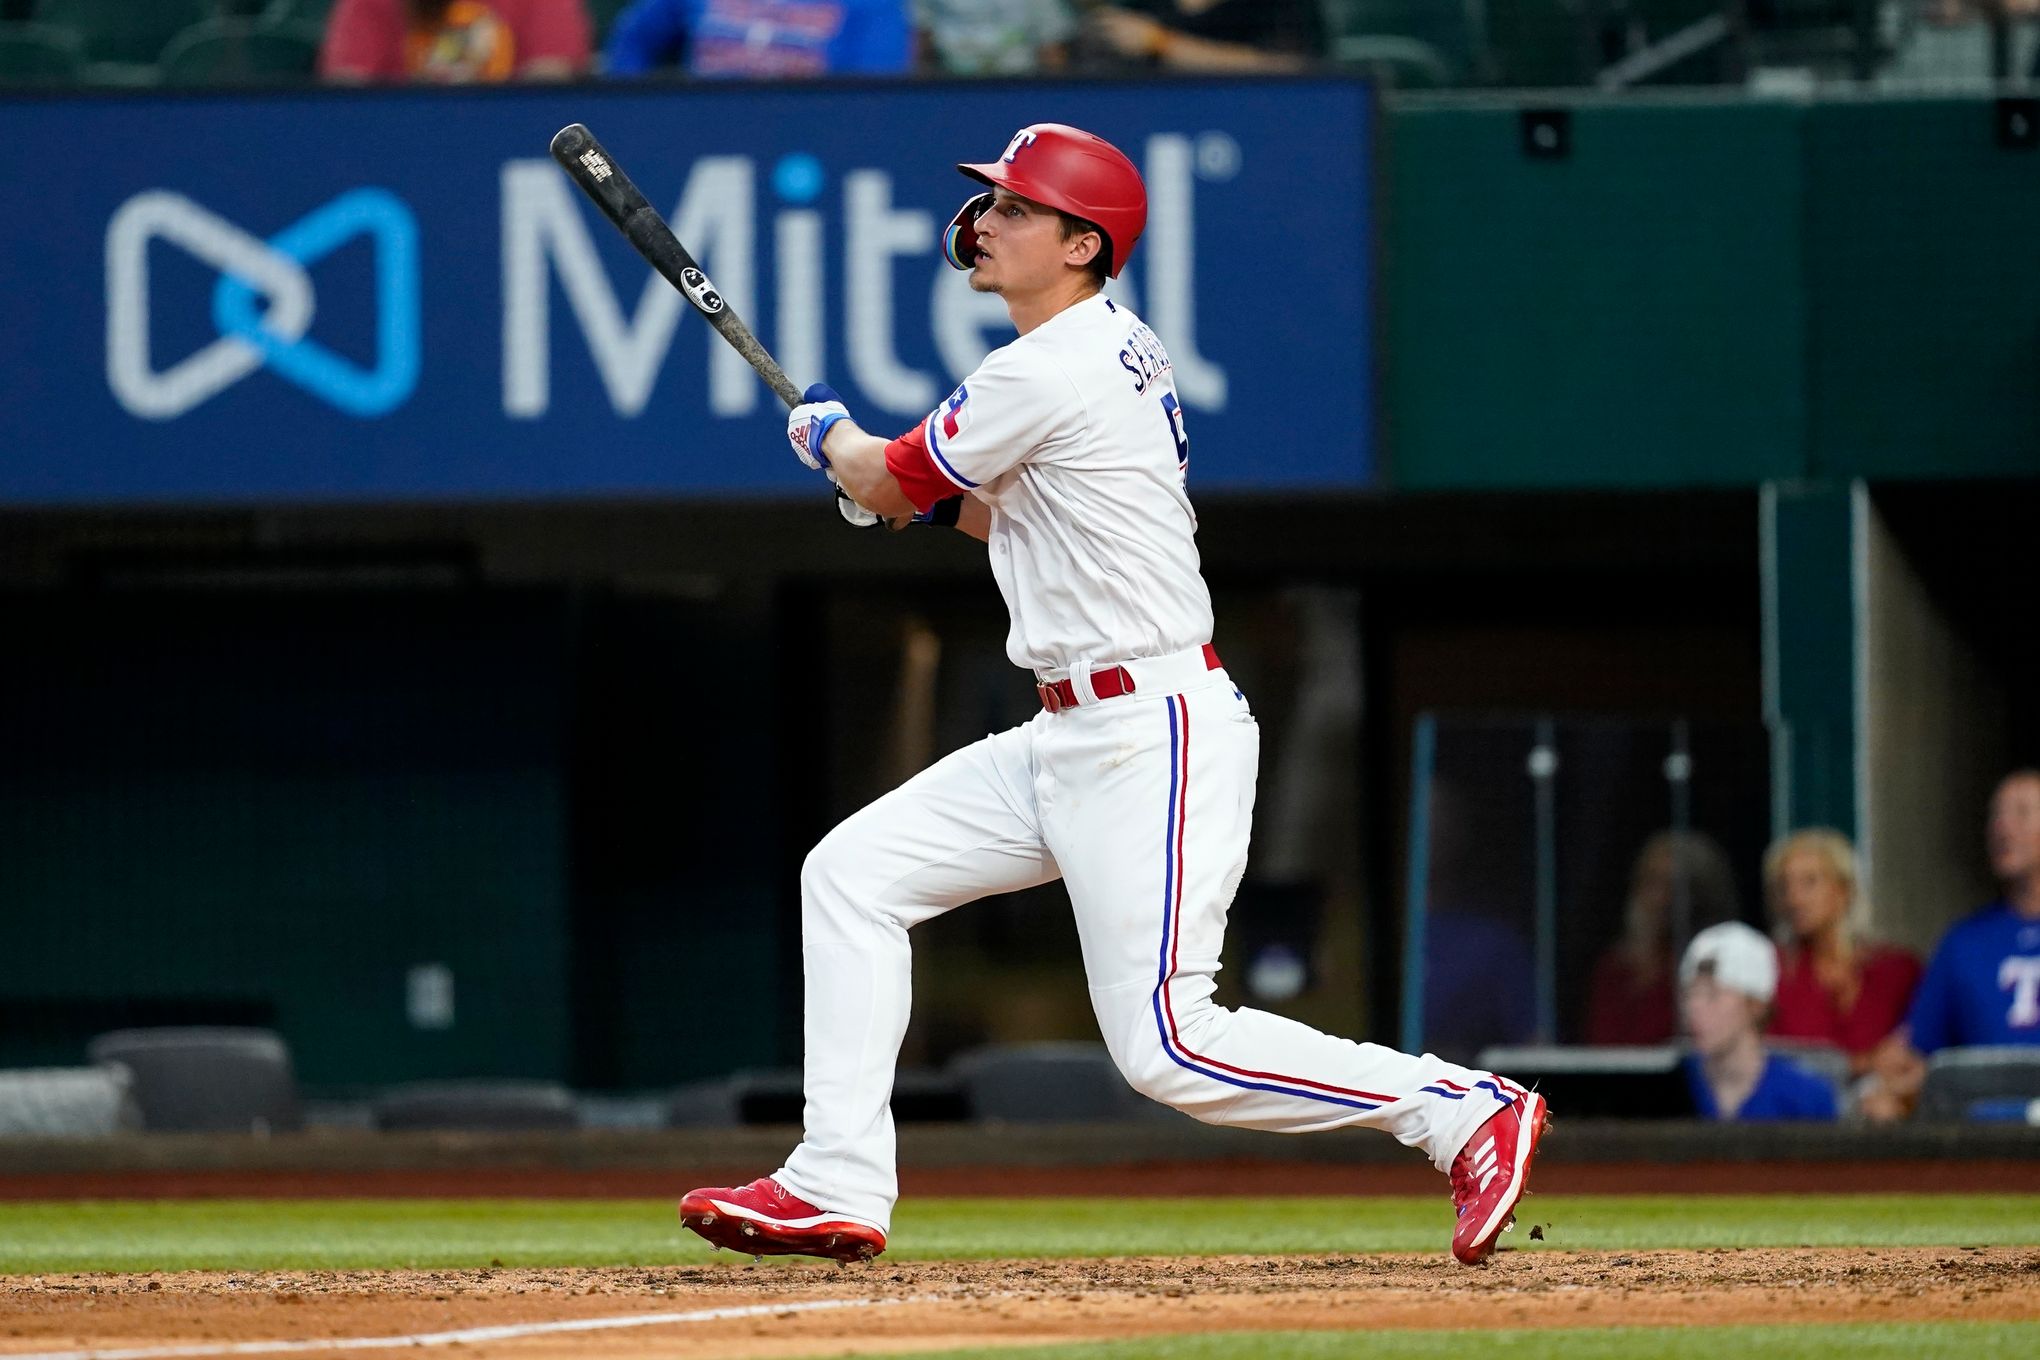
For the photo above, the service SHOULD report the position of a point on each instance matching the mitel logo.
(813, 266)
(253, 335)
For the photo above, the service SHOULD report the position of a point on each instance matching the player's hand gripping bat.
(603, 180)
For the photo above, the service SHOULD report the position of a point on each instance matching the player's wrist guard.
(943, 514)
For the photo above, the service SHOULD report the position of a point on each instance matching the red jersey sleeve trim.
(907, 459)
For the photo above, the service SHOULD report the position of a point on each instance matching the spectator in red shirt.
(454, 41)
(1833, 985)
(1680, 884)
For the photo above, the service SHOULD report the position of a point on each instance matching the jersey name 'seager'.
(1074, 437)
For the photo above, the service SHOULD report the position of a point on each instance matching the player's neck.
(1737, 1065)
(1031, 312)
(2024, 895)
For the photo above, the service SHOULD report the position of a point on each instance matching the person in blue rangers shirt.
(1726, 982)
(1983, 985)
(761, 39)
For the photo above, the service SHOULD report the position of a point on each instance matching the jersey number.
(1173, 411)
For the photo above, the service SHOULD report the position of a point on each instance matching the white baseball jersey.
(1073, 436)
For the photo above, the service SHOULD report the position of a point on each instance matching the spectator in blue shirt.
(761, 39)
(1983, 986)
(1726, 982)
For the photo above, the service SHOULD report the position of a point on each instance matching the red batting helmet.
(1078, 172)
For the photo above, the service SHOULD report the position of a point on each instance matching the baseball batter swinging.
(1066, 453)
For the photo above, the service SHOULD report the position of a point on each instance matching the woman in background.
(1834, 986)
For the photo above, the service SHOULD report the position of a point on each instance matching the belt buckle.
(1050, 699)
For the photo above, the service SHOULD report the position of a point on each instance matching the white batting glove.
(808, 424)
(853, 513)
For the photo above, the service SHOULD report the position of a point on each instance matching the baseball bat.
(602, 179)
(591, 166)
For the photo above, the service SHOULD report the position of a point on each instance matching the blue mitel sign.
(398, 295)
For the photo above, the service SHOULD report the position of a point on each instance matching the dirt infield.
(803, 1308)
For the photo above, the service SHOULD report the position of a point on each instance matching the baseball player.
(1066, 453)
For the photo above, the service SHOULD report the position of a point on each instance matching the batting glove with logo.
(808, 424)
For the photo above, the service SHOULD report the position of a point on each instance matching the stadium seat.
(773, 1096)
(1821, 1059)
(1981, 1083)
(1066, 1083)
(1433, 33)
(309, 14)
(1645, 1082)
(67, 1102)
(239, 52)
(1541, 44)
(1398, 63)
(478, 1106)
(206, 1080)
(40, 54)
(1824, 1060)
(125, 32)
(1669, 42)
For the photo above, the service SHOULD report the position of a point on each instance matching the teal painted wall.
(267, 808)
(1922, 258)
(1709, 293)
(1811, 703)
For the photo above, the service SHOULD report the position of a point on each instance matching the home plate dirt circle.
(745, 1310)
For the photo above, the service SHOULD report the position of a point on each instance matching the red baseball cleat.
(765, 1219)
(1490, 1174)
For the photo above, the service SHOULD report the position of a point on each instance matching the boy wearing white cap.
(1726, 982)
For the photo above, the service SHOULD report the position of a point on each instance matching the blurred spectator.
(1478, 984)
(1211, 35)
(760, 39)
(1832, 985)
(1479, 970)
(455, 41)
(994, 37)
(1983, 985)
(1680, 883)
(1726, 982)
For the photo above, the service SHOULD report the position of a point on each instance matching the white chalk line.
(468, 1336)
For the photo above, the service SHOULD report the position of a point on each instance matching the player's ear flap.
(959, 242)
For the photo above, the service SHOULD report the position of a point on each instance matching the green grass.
(1891, 1341)
(370, 1234)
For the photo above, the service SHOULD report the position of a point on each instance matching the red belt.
(1109, 683)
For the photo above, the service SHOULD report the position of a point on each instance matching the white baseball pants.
(1142, 805)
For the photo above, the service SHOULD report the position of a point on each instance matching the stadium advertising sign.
(348, 295)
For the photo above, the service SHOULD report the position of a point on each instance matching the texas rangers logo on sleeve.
(955, 413)
(951, 419)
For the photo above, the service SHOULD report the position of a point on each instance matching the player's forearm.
(974, 517)
(858, 460)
